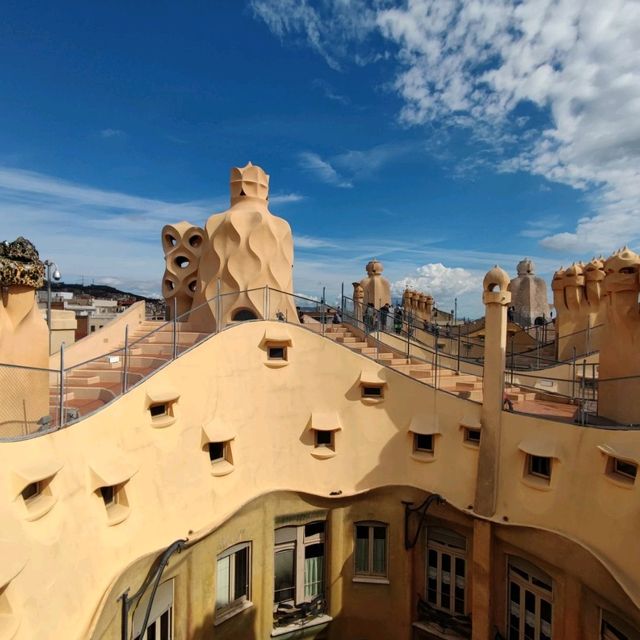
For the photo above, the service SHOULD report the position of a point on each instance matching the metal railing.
(36, 401)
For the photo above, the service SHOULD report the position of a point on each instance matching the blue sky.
(441, 137)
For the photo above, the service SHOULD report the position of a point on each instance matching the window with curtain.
(530, 601)
(299, 563)
(232, 577)
(446, 570)
(371, 549)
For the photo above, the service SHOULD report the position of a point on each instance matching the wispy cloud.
(329, 92)
(472, 64)
(309, 242)
(285, 198)
(322, 169)
(541, 227)
(112, 133)
(343, 169)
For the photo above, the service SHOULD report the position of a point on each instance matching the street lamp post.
(56, 276)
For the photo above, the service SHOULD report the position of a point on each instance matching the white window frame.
(299, 545)
(238, 604)
(162, 603)
(534, 575)
(369, 575)
(440, 547)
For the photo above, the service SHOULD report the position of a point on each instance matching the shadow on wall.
(240, 626)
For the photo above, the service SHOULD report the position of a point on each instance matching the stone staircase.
(464, 385)
(93, 384)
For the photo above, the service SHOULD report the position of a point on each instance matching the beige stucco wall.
(227, 383)
(63, 328)
(110, 337)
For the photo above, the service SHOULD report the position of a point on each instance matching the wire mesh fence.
(37, 401)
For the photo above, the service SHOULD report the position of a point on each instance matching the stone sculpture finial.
(622, 270)
(249, 181)
(20, 264)
(374, 267)
(526, 267)
(496, 277)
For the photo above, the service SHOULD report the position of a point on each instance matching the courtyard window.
(299, 567)
(371, 550)
(530, 595)
(446, 570)
(160, 623)
(233, 571)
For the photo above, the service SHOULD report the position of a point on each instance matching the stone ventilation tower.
(528, 294)
(496, 299)
(376, 288)
(24, 338)
(182, 244)
(246, 248)
(578, 296)
(619, 399)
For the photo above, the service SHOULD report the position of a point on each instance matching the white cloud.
(306, 20)
(444, 284)
(472, 63)
(313, 163)
(285, 198)
(309, 242)
(112, 133)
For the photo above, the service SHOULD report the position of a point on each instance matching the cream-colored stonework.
(182, 244)
(418, 304)
(376, 289)
(620, 339)
(246, 248)
(319, 459)
(580, 312)
(24, 339)
(528, 294)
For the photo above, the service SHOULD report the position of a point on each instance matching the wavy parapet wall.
(182, 244)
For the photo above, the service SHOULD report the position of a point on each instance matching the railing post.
(582, 392)
(125, 357)
(436, 370)
(408, 343)
(324, 289)
(218, 306)
(175, 328)
(265, 303)
(61, 388)
(458, 349)
(573, 381)
(513, 364)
